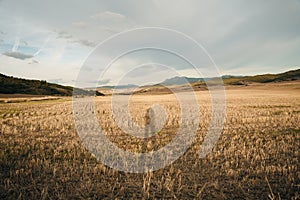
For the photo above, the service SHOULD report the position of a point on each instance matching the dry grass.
(32, 98)
(257, 155)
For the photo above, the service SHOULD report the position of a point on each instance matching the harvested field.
(256, 157)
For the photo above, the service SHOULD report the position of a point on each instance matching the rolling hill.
(238, 80)
(264, 78)
(12, 85)
(179, 83)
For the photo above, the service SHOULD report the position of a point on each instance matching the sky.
(58, 40)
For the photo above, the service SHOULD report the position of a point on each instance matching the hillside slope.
(237, 80)
(265, 78)
(12, 85)
(228, 80)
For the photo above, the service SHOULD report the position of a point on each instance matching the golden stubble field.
(256, 157)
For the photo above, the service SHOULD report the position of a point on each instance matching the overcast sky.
(51, 40)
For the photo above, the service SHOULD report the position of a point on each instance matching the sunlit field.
(256, 157)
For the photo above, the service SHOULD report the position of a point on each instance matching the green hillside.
(12, 85)
(265, 78)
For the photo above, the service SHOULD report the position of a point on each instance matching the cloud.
(103, 82)
(108, 15)
(64, 35)
(237, 34)
(33, 62)
(25, 43)
(80, 25)
(84, 42)
(111, 22)
(72, 39)
(18, 55)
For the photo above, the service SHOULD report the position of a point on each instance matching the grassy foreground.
(256, 157)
